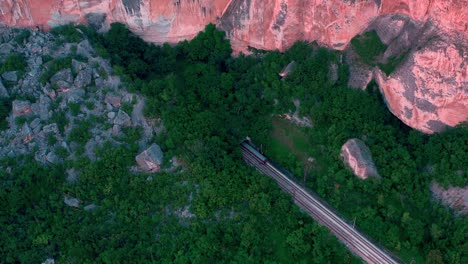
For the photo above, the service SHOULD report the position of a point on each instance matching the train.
(246, 146)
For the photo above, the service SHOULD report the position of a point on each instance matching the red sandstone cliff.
(428, 92)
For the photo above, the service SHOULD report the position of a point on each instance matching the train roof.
(253, 150)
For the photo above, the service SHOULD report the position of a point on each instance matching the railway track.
(355, 241)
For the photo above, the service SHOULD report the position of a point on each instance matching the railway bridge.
(321, 212)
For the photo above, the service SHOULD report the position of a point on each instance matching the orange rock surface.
(435, 95)
(430, 90)
(265, 24)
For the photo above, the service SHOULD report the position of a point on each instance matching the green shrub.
(60, 119)
(61, 152)
(368, 46)
(131, 134)
(90, 105)
(5, 107)
(20, 120)
(392, 63)
(68, 32)
(14, 62)
(74, 108)
(22, 36)
(127, 108)
(54, 67)
(51, 139)
(80, 133)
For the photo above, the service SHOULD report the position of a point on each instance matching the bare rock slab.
(359, 158)
(151, 159)
(453, 197)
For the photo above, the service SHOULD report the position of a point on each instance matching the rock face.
(151, 159)
(453, 197)
(358, 157)
(265, 24)
(428, 93)
(430, 90)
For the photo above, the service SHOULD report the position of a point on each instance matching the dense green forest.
(209, 101)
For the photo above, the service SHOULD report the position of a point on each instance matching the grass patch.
(22, 36)
(74, 108)
(60, 119)
(290, 138)
(80, 133)
(14, 62)
(368, 46)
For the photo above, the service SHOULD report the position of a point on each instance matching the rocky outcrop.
(74, 107)
(429, 91)
(266, 24)
(358, 157)
(453, 197)
(151, 159)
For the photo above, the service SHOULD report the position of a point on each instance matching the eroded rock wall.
(154, 20)
(265, 24)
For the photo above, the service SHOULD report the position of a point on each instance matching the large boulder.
(83, 78)
(359, 158)
(151, 159)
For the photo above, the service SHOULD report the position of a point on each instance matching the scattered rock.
(51, 128)
(75, 95)
(288, 69)
(113, 100)
(36, 122)
(49, 92)
(6, 48)
(111, 115)
(84, 48)
(83, 78)
(78, 65)
(43, 110)
(72, 176)
(116, 131)
(71, 201)
(64, 75)
(359, 158)
(90, 207)
(21, 107)
(11, 76)
(26, 133)
(151, 159)
(49, 261)
(122, 119)
(53, 158)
